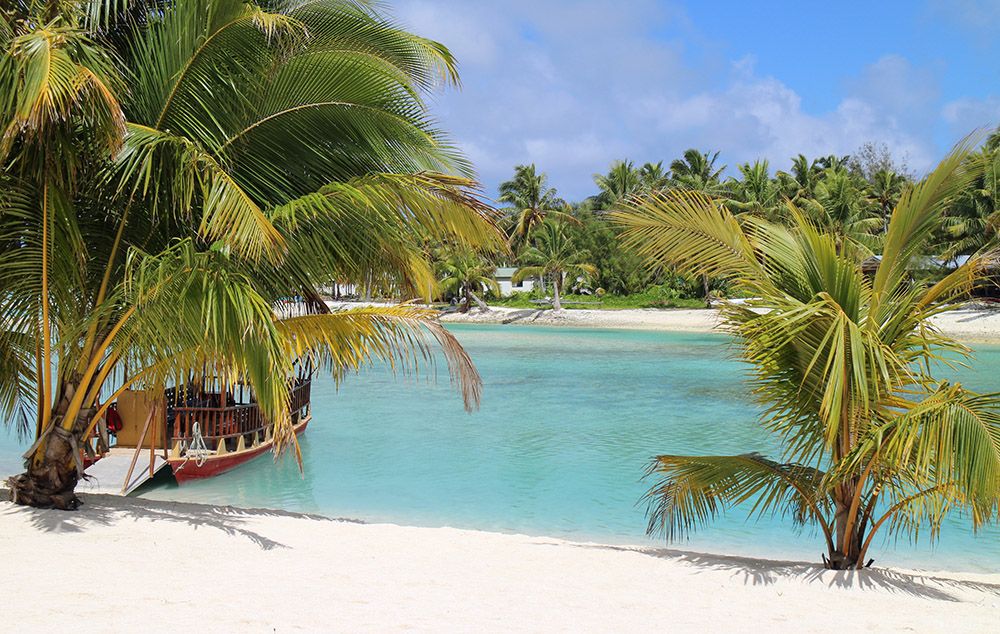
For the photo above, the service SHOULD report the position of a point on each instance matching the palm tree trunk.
(53, 467)
(845, 532)
(468, 300)
(839, 559)
(555, 292)
(479, 302)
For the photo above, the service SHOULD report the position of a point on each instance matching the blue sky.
(572, 86)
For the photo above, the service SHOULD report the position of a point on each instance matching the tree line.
(851, 197)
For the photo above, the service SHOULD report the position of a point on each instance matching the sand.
(124, 564)
(973, 324)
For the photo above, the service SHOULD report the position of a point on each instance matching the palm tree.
(653, 176)
(884, 189)
(465, 273)
(973, 221)
(172, 169)
(755, 193)
(555, 255)
(622, 181)
(531, 200)
(842, 364)
(801, 182)
(696, 170)
(841, 209)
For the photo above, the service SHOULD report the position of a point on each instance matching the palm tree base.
(840, 561)
(28, 491)
(49, 483)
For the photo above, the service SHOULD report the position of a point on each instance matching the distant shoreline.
(975, 324)
(319, 573)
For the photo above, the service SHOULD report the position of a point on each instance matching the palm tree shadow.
(977, 311)
(766, 572)
(105, 510)
(527, 314)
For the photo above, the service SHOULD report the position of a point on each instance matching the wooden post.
(138, 448)
(152, 445)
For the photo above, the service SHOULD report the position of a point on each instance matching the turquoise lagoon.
(569, 420)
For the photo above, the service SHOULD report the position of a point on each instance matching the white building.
(505, 276)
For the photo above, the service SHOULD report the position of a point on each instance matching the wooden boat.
(200, 431)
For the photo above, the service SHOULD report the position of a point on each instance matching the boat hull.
(186, 470)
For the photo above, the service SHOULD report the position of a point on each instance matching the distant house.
(505, 275)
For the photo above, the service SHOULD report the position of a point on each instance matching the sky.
(573, 86)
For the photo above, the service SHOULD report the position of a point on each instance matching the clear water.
(569, 420)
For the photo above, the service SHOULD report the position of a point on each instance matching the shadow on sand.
(977, 312)
(104, 510)
(766, 572)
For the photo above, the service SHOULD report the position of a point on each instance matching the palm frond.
(347, 340)
(689, 231)
(694, 489)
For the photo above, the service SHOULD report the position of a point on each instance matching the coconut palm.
(172, 168)
(653, 176)
(802, 180)
(465, 273)
(554, 254)
(884, 189)
(843, 365)
(841, 209)
(755, 193)
(622, 181)
(696, 170)
(531, 200)
(972, 222)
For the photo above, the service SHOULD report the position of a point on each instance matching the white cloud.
(573, 86)
(964, 115)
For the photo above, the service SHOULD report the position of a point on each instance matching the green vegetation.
(842, 362)
(554, 256)
(463, 273)
(653, 297)
(851, 197)
(172, 169)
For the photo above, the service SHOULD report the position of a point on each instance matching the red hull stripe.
(214, 465)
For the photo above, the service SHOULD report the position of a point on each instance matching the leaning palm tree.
(172, 168)
(467, 274)
(884, 189)
(843, 365)
(554, 255)
(802, 180)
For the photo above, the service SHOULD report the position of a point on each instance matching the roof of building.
(506, 271)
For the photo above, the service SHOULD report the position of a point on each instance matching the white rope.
(198, 450)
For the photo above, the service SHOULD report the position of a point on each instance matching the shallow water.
(568, 421)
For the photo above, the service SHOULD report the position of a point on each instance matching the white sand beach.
(124, 564)
(973, 324)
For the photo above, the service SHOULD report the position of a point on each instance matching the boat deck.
(108, 475)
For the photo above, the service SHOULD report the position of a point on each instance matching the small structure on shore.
(505, 275)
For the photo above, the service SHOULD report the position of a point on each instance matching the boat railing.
(231, 421)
